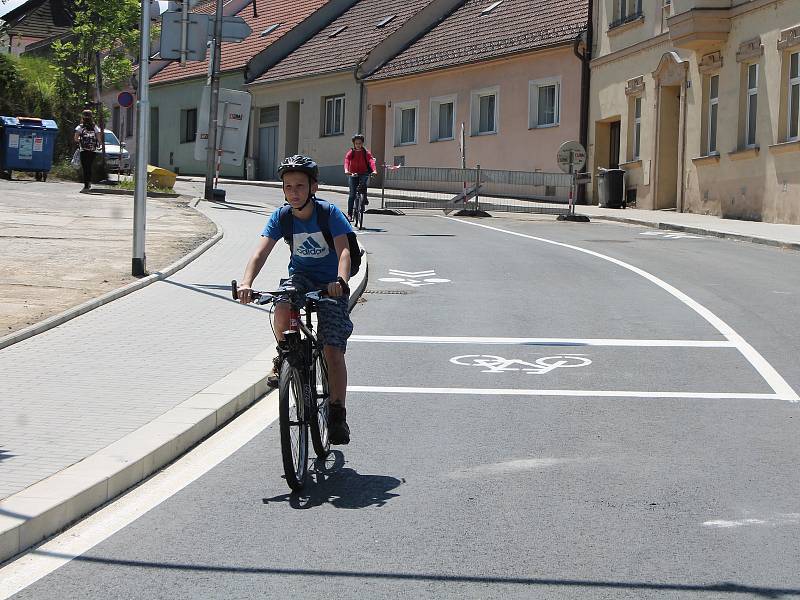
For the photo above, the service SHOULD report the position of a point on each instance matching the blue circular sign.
(125, 99)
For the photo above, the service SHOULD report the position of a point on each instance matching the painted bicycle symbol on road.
(498, 364)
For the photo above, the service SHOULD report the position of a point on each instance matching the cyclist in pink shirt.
(359, 164)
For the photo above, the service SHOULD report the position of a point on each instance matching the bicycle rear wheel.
(293, 426)
(360, 212)
(320, 398)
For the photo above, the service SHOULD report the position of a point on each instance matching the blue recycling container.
(27, 144)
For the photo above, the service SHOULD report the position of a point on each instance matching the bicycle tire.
(361, 210)
(320, 397)
(294, 448)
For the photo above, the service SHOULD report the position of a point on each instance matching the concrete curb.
(116, 192)
(701, 231)
(51, 505)
(81, 309)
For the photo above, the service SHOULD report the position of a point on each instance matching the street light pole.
(213, 112)
(138, 264)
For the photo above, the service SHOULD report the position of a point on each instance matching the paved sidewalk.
(774, 234)
(161, 368)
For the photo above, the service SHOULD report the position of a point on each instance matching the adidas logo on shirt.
(310, 247)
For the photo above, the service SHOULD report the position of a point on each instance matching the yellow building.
(699, 102)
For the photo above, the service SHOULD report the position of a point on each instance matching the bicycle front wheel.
(360, 212)
(320, 401)
(293, 425)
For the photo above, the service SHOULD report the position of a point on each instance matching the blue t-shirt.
(311, 254)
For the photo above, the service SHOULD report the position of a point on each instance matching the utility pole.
(213, 115)
(138, 266)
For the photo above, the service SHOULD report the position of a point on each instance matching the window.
(405, 123)
(334, 116)
(544, 102)
(385, 21)
(794, 97)
(442, 118)
(484, 112)
(713, 114)
(491, 7)
(751, 106)
(666, 13)
(269, 115)
(408, 125)
(129, 121)
(637, 128)
(270, 29)
(115, 120)
(337, 31)
(626, 11)
(188, 125)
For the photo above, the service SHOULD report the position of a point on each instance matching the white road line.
(375, 389)
(760, 364)
(80, 538)
(421, 339)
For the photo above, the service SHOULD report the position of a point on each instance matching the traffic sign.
(125, 99)
(571, 157)
(196, 36)
(234, 29)
(233, 114)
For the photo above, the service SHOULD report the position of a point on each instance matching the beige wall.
(762, 183)
(515, 146)
(328, 151)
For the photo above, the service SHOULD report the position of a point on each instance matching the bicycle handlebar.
(265, 297)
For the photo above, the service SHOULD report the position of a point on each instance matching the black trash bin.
(611, 188)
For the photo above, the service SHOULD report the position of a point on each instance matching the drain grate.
(398, 292)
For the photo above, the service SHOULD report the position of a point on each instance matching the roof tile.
(235, 55)
(326, 54)
(467, 36)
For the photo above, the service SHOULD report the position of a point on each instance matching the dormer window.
(491, 7)
(270, 29)
(385, 21)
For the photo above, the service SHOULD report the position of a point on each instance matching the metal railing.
(484, 189)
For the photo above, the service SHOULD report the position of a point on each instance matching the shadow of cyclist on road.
(330, 482)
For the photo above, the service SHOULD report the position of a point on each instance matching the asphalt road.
(653, 460)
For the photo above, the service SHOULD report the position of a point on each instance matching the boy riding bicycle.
(313, 265)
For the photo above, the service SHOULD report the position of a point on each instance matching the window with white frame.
(443, 115)
(544, 100)
(637, 128)
(405, 123)
(333, 123)
(626, 10)
(713, 114)
(484, 112)
(751, 105)
(794, 97)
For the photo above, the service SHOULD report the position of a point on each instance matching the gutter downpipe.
(586, 74)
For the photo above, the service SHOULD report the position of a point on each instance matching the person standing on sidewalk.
(359, 164)
(89, 138)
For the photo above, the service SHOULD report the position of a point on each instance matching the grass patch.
(129, 184)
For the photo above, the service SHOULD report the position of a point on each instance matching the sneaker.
(274, 377)
(338, 430)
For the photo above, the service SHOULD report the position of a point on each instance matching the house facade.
(515, 95)
(310, 101)
(697, 100)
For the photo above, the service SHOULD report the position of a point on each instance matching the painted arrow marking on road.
(672, 236)
(413, 278)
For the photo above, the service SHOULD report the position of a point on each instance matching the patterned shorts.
(333, 320)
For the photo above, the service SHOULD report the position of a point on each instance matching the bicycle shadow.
(330, 482)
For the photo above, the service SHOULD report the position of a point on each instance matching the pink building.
(505, 71)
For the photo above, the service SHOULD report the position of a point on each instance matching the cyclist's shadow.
(330, 482)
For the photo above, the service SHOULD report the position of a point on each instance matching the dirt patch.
(60, 248)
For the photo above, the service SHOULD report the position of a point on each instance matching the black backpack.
(88, 138)
(324, 208)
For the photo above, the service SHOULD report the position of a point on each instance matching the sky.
(7, 5)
